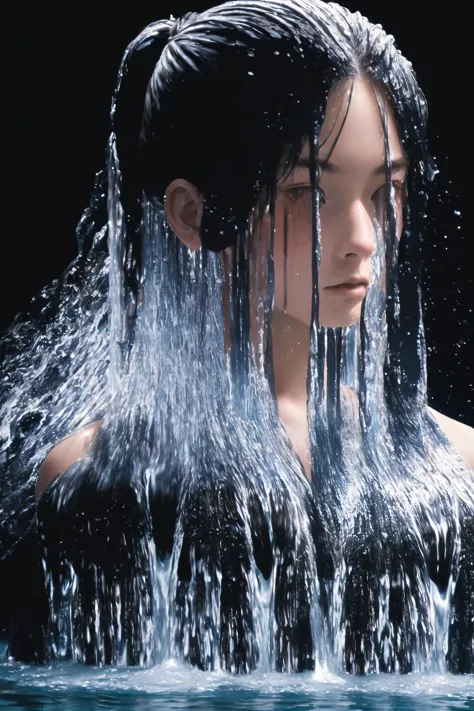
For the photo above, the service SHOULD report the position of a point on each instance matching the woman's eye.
(399, 186)
(304, 191)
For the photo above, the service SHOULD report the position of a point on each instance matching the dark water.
(174, 686)
(90, 700)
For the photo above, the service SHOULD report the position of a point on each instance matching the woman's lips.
(353, 291)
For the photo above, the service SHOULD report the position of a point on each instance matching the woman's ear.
(184, 205)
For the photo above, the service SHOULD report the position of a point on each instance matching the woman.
(266, 430)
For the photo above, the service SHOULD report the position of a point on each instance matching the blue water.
(174, 686)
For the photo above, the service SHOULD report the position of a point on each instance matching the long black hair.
(218, 98)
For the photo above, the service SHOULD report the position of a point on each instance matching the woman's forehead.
(353, 120)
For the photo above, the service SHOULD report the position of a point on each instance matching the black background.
(58, 72)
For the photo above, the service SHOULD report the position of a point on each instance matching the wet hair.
(221, 97)
(218, 98)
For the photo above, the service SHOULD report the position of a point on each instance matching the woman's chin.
(341, 320)
(329, 319)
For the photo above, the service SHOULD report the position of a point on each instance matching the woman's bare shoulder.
(64, 454)
(460, 435)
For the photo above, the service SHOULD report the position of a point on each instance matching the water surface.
(174, 686)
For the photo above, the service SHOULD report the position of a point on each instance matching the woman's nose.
(356, 231)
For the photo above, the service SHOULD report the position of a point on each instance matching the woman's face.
(352, 193)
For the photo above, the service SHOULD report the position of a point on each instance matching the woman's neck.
(290, 358)
(290, 365)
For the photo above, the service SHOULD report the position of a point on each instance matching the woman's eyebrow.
(328, 167)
